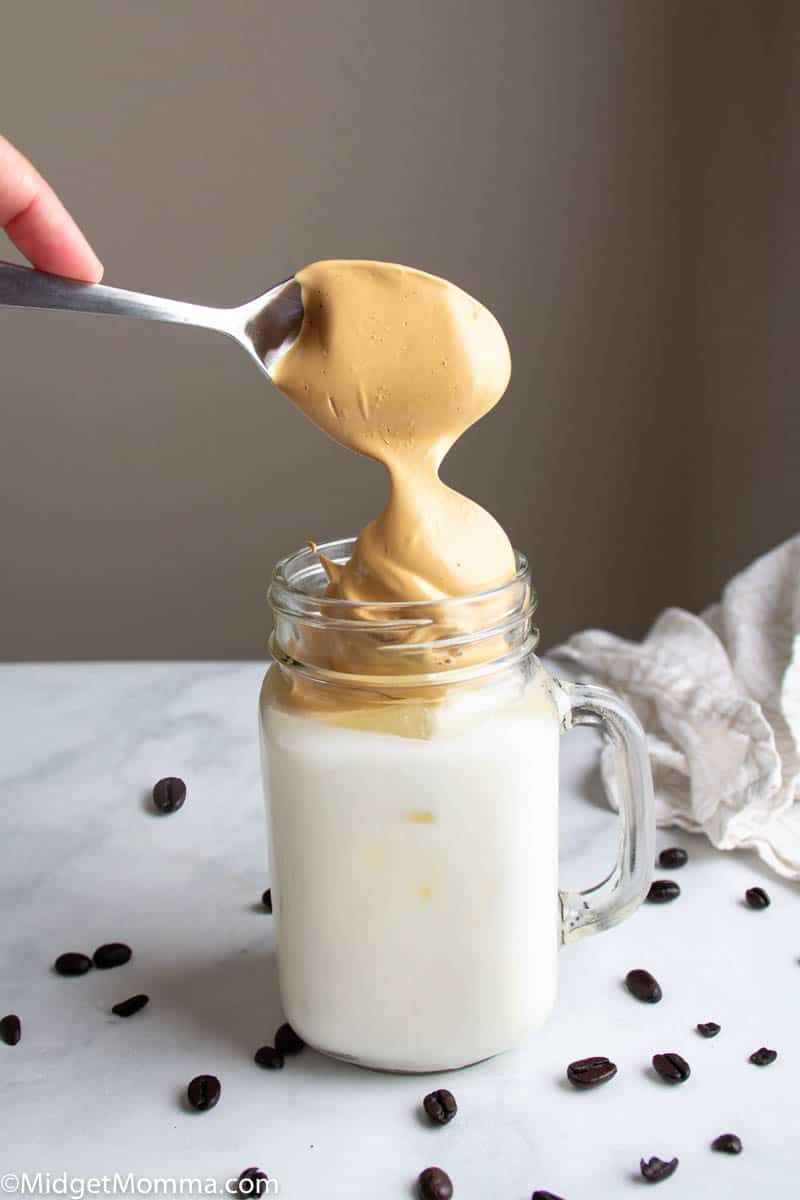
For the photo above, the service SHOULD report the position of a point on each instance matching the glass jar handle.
(620, 894)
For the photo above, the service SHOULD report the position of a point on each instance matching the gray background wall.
(616, 179)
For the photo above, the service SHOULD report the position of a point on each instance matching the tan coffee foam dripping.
(396, 364)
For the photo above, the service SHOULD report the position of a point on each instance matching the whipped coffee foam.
(396, 364)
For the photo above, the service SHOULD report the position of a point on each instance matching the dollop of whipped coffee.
(396, 364)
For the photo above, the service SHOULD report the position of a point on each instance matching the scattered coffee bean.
(763, 1057)
(269, 1057)
(756, 897)
(266, 899)
(727, 1143)
(672, 1067)
(169, 794)
(287, 1041)
(440, 1106)
(128, 1008)
(643, 986)
(10, 1029)
(434, 1184)
(673, 857)
(73, 964)
(203, 1092)
(540, 1195)
(655, 1169)
(589, 1072)
(663, 890)
(112, 954)
(252, 1182)
(708, 1029)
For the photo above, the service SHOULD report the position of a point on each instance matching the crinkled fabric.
(719, 698)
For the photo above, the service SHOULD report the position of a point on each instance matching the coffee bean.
(708, 1029)
(10, 1029)
(643, 986)
(663, 890)
(763, 1057)
(169, 794)
(73, 964)
(112, 954)
(266, 899)
(672, 1067)
(756, 897)
(287, 1041)
(434, 1184)
(589, 1072)
(655, 1169)
(440, 1106)
(252, 1182)
(268, 1056)
(203, 1092)
(727, 1143)
(540, 1195)
(128, 1008)
(673, 857)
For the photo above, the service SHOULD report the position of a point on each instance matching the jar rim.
(291, 593)
(389, 643)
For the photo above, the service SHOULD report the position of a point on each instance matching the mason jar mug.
(410, 762)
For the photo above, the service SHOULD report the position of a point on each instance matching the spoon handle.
(23, 287)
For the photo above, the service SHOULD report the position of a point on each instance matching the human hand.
(37, 222)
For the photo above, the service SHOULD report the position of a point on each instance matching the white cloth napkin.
(719, 698)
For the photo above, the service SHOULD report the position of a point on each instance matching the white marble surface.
(83, 861)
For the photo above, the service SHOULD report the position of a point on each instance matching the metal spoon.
(266, 327)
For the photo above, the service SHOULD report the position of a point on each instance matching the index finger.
(37, 222)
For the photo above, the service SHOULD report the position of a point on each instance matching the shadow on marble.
(234, 997)
(421, 1117)
(592, 788)
(182, 1101)
(147, 806)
